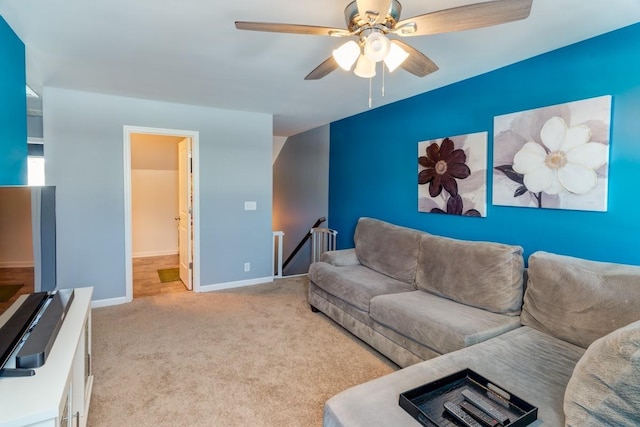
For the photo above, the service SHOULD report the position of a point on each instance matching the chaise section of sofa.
(532, 365)
(413, 296)
(576, 357)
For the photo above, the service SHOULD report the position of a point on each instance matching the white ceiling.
(188, 51)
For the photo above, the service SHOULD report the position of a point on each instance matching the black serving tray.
(425, 403)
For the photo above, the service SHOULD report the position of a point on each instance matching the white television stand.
(59, 393)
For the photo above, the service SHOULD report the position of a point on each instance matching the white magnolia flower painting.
(553, 157)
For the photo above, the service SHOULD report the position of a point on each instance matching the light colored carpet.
(254, 356)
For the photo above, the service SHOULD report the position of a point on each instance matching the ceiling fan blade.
(373, 11)
(292, 29)
(465, 17)
(417, 63)
(323, 69)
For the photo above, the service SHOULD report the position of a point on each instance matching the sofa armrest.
(340, 257)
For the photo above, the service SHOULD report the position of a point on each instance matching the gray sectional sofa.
(569, 344)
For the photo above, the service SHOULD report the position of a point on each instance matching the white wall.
(85, 161)
(154, 205)
(154, 195)
(16, 244)
(278, 143)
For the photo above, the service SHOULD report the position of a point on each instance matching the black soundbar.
(32, 330)
(11, 333)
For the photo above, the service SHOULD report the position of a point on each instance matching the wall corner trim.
(236, 284)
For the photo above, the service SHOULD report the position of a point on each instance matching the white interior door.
(184, 208)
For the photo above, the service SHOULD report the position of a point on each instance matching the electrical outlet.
(247, 266)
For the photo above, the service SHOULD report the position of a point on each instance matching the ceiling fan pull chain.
(370, 80)
(383, 80)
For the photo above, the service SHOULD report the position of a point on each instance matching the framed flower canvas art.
(452, 175)
(553, 157)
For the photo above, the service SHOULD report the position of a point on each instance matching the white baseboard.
(154, 253)
(238, 284)
(16, 264)
(108, 302)
(207, 288)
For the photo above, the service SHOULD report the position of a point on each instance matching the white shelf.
(38, 400)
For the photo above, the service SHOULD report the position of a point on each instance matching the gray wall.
(84, 134)
(34, 127)
(301, 191)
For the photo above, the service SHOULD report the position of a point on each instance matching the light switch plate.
(250, 206)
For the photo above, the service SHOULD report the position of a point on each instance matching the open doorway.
(27, 242)
(161, 218)
(16, 245)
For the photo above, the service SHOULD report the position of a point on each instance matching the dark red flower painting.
(443, 165)
(452, 175)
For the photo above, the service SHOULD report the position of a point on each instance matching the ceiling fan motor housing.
(355, 22)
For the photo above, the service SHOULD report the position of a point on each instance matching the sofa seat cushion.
(387, 248)
(354, 284)
(578, 300)
(604, 389)
(438, 323)
(534, 366)
(486, 275)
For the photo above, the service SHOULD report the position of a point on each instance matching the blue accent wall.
(373, 156)
(13, 108)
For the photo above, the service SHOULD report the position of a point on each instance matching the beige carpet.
(254, 356)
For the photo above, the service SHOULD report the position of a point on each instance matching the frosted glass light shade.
(376, 47)
(365, 67)
(347, 54)
(396, 57)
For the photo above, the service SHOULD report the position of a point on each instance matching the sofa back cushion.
(480, 274)
(388, 249)
(577, 300)
(604, 389)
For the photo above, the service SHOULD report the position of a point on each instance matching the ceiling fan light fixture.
(395, 58)
(365, 67)
(347, 54)
(376, 46)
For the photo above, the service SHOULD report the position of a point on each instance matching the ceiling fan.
(371, 21)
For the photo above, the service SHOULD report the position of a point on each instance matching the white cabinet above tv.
(60, 391)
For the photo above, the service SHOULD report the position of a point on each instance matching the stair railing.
(276, 255)
(322, 240)
(302, 242)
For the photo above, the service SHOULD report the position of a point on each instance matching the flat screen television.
(28, 233)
